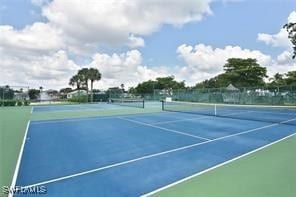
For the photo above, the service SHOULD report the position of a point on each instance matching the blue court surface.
(136, 154)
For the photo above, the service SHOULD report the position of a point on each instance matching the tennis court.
(136, 155)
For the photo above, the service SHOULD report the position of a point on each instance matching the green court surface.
(268, 172)
(13, 122)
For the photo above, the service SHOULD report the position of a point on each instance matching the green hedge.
(79, 99)
(10, 103)
(26, 103)
(19, 103)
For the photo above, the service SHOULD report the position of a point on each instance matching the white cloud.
(111, 22)
(203, 62)
(276, 40)
(38, 53)
(283, 63)
(38, 38)
(279, 39)
(199, 62)
(292, 17)
(136, 41)
(50, 71)
(285, 57)
(123, 68)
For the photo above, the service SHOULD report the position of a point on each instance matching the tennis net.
(271, 114)
(139, 103)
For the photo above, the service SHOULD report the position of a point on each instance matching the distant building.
(48, 95)
(76, 93)
(21, 96)
(231, 87)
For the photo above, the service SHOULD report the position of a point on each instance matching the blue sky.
(231, 23)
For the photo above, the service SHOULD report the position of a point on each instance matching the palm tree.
(77, 81)
(93, 75)
(84, 74)
(122, 87)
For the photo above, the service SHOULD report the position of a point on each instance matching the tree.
(239, 72)
(33, 94)
(84, 76)
(215, 82)
(132, 90)
(122, 87)
(161, 83)
(244, 72)
(93, 75)
(6, 92)
(291, 29)
(65, 90)
(146, 87)
(278, 80)
(169, 83)
(291, 78)
(77, 81)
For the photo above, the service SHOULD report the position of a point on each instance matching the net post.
(215, 109)
(162, 105)
(143, 103)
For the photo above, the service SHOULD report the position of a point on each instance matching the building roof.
(231, 87)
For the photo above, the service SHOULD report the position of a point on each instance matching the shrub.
(79, 99)
(19, 103)
(12, 103)
(9, 103)
(26, 102)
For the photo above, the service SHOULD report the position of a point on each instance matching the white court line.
(290, 120)
(17, 167)
(145, 157)
(214, 167)
(163, 128)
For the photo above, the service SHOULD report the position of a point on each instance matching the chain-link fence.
(14, 95)
(267, 95)
(285, 95)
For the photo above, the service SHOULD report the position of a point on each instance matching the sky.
(45, 42)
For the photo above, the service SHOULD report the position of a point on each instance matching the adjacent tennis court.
(113, 104)
(141, 154)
